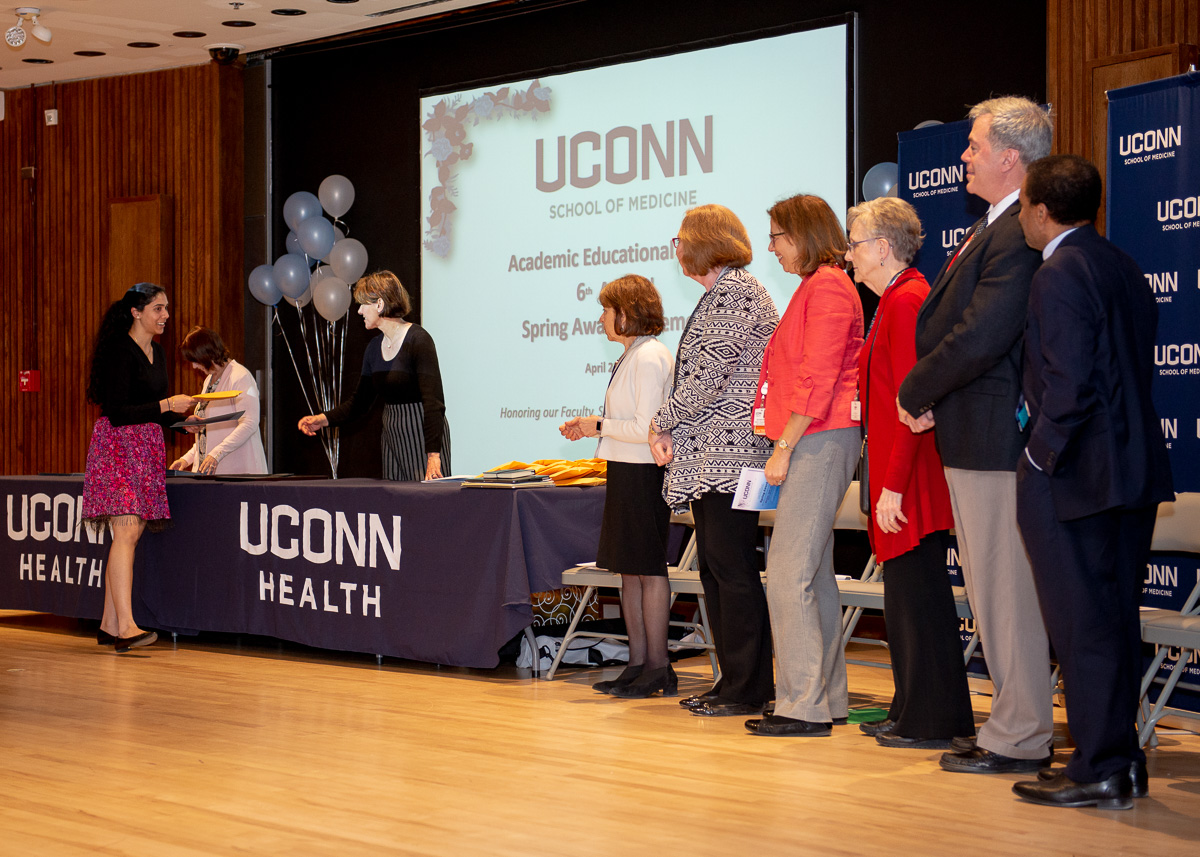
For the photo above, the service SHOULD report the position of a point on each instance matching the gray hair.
(1017, 123)
(893, 219)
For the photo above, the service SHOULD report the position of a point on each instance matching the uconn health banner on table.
(1154, 215)
(933, 178)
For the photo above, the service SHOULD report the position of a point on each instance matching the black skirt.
(633, 534)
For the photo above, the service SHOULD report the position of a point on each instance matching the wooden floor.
(227, 748)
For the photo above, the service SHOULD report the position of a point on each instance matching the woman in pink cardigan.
(807, 404)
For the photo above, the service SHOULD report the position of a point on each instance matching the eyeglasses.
(771, 236)
(853, 244)
(675, 242)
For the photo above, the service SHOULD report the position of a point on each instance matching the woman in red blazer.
(805, 402)
(912, 516)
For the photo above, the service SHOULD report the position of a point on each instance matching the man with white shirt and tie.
(966, 385)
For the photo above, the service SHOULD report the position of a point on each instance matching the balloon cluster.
(313, 238)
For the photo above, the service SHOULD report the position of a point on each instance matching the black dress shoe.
(877, 728)
(773, 724)
(981, 761)
(649, 683)
(891, 739)
(698, 699)
(1138, 776)
(719, 707)
(124, 644)
(627, 675)
(962, 743)
(1114, 793)
(103, 638)
(840, 721)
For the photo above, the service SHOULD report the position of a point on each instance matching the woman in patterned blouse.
(703, 432)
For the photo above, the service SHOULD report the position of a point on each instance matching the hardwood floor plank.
(229, 747)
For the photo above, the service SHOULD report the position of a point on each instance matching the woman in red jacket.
(912, 516)
(806, 394)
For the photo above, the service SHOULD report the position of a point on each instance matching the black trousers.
(932, 699)
(1089, 574)
(737, 605)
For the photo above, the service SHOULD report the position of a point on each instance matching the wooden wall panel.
(177, 133)
(1078, 31)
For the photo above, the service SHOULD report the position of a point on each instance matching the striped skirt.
(403, 443)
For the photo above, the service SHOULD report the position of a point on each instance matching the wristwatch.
(598, 424)
(784, 445)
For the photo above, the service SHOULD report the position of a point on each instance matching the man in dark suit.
(1094, 471)
(966, 385)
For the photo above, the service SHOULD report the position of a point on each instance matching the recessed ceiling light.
(142, 45)
(189, 34)
(237, 23)
(343, 1)
(288, 12)
(89, 53)
(38, 61)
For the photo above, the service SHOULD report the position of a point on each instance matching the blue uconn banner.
(1154, 215)
(933, 179)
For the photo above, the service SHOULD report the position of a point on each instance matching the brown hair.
(711, 236)
(634, 298)
(384, 286)
(811, 224)
(204, 346)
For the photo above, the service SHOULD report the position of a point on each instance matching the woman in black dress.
(401, 368)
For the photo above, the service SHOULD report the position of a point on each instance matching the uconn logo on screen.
(57, 522)
(319, 537)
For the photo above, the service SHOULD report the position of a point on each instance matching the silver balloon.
(336, 195)
(880, 179)
(349, 259)
(291, 274)
(263, 286)
(315, 236)
(302, 301)
(299, 207)
(331, 298)
(319, 273)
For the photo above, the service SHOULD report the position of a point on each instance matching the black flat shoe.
(962, 744)
(124, 644)
(1138, 777)
(719, 707)
(891, 739)
(773, 724)
(877, 728)
(649, 683)
(627, 675)
(981, 761)
(103, 638)
(698, 699)
(1114, 793)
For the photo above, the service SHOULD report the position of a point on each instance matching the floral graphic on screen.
(446, 130)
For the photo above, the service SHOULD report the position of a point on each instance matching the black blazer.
(969, 334)
(1089, 364)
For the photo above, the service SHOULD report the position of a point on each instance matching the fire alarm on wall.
(51, 117)
(29, 381)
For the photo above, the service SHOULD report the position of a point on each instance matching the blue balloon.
(315, 236)
(292, 243)
(263, 286)
(299, 207)
(291, 274)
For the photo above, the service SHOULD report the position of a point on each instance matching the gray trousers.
(806, 614)
(1005, 603)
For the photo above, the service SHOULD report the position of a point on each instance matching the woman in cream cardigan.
(234, 446)
(633, 534)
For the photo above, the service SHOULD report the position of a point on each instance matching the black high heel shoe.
(627, 675)
(650, 683)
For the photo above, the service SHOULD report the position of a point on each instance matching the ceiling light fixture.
(15, 36)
